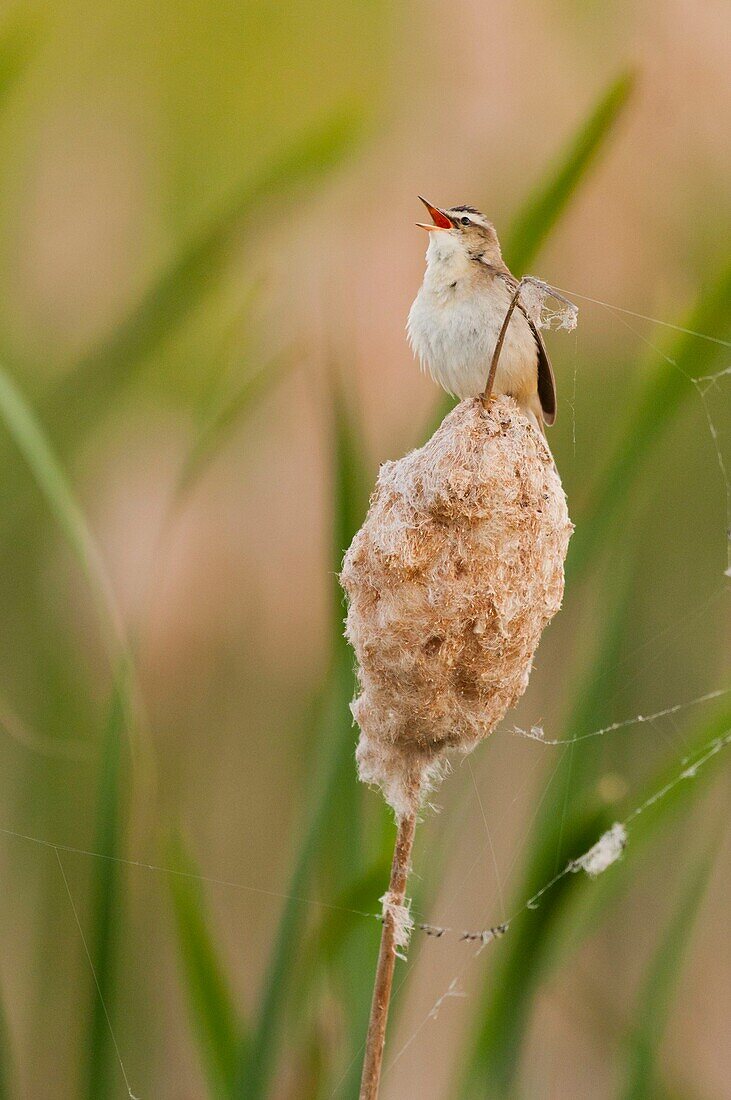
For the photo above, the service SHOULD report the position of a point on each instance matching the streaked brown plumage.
(457, 315)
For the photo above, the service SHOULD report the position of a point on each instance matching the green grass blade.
(257, 1061)
(578, 912)
(178, 289)
(354, 839)
(544, 208)
(328, 936)
(654, 1002)
(513, 981)
(330, 823)
(51, 480)
(222, 421)
(593, 904)
(100, 1060)
(597, 901)
(649, 416)
(33, 444)
(350, 501)
(561, 829)
(211, 1004)
(325, 953)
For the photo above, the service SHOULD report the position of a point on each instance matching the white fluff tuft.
(400, 913)
(605, 852)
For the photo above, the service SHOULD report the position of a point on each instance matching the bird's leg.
(487, 393)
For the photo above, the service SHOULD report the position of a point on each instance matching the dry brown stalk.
(376, 1037)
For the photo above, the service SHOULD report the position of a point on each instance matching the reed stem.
(375, 1040)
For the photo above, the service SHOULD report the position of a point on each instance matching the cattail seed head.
(450, 581)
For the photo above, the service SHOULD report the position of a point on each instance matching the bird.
(456, 318)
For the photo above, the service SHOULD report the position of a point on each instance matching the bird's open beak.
(439, 218)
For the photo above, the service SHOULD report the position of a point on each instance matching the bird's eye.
(465, 221)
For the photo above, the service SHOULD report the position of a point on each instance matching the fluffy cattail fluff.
(450, 582)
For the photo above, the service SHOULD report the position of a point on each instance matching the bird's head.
(469, 231)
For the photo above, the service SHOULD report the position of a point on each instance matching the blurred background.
(207, 257)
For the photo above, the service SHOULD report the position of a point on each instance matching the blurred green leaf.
(352, 961)
(227, 414)
(564, 826)
(592, 905)
(18, 38)
(331, 824)
(100, 1059)
(649, 415)
(98, 378)
(583, 907)
(597, 684)
(350, 500)
(655, 999)
(598, 900)
(257, 1058)
(51, 480)
(354, 839)
(515, 978)
(323, 955)
(33, 444)
(211, 1004)
(329, 934)
(543, 209)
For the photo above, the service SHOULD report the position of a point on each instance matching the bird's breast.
(453, 330)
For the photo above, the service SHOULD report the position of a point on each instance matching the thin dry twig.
(375, 1040)
(499, 347)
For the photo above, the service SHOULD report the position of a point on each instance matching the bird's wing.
(546, 379)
